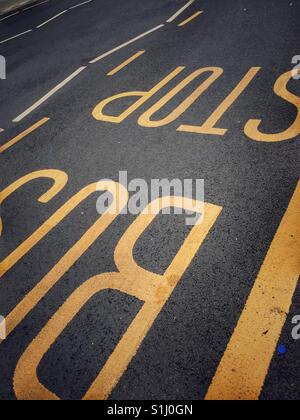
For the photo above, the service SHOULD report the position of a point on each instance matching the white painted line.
(16, 36)
(35, 5)
(50, 20)
(48, 95)
(172, 18)
(9, 16)
(125, 45)
(80, 4)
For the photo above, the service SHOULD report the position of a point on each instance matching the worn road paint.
(125, 63)
(194, 16)
(245, 364)
(23, 134)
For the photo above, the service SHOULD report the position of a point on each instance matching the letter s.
(280, 88)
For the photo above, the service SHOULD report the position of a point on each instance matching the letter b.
(152, 289)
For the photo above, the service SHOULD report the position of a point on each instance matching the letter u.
(120, 196)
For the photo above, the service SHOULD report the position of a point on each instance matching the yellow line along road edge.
(243, 369)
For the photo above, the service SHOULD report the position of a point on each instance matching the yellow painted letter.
(280, 88)
(152, 289)
(145, 119)
(144, 96)
(209, 126)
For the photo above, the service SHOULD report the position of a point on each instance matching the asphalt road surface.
(126, 306)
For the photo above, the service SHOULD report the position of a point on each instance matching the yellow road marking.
(180, 11)
(281, 90)
(213, 74)
(23, 308)
(209, 127)
(151, 288)
(23, 134)
(194, 16)
(125, 63)
(143, 95)
(59, 178)
(245, 364)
